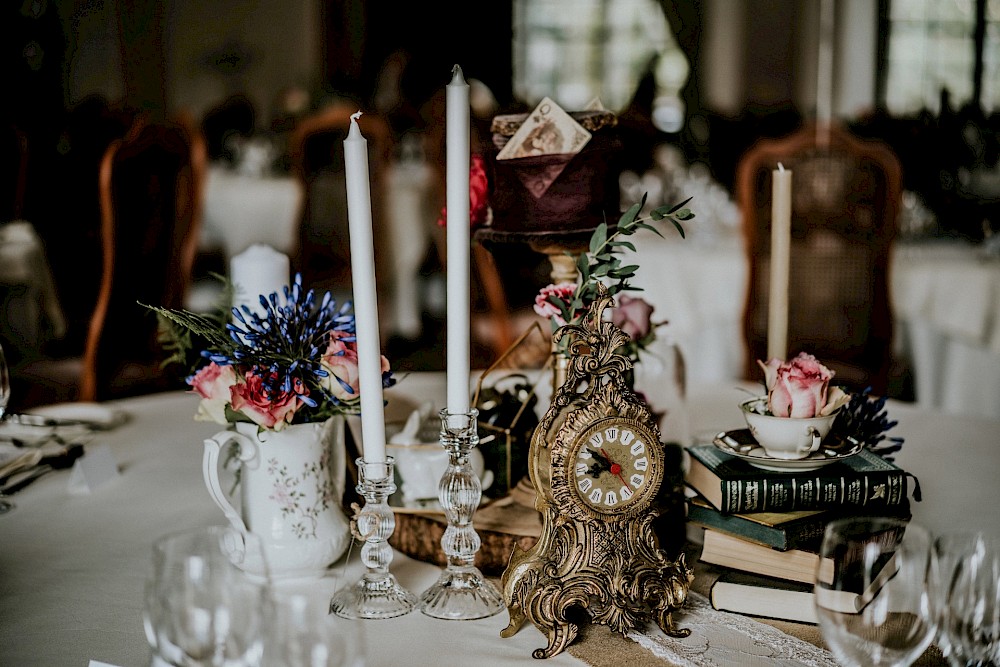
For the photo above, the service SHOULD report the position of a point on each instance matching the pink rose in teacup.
(800, 388)
(797, 413)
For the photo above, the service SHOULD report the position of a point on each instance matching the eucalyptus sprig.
(601, 263)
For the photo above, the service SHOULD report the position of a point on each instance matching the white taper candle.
(458, 159)
(359, 217)
(781, 238)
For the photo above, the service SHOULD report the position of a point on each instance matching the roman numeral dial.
(613, 465)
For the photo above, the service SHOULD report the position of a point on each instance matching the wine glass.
(300, 631)
(946, 553)
(6, 504)
(880, 566)
(201, 608)
(966, 598)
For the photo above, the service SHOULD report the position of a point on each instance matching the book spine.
(765, 535)
(805, 534)
(873, 491)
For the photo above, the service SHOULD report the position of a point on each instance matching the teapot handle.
(210, 469)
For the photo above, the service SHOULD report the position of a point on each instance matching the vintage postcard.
(548, 130)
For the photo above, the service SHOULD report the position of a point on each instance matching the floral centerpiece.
(282, 378)
(295, 363)
(567, 303)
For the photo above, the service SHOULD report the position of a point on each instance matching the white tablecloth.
(72, 566)
(946, 304)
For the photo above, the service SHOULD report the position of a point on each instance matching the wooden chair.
(845, 198)
(151, 187)
(316, 156)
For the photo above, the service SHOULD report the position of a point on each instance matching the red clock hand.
(616, 470)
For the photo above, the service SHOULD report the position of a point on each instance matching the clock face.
(615, 466)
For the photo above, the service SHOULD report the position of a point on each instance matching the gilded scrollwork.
(603, 561)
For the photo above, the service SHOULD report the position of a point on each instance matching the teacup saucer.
(741, 444)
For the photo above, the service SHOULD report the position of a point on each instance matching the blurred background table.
(242, 209)
(946, 309)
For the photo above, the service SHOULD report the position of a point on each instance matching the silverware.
(19, 480)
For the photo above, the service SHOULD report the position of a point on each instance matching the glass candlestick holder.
(461, 592)
(377, 594)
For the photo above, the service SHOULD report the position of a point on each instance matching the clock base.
(615, 575)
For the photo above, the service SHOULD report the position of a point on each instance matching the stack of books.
(762, 529)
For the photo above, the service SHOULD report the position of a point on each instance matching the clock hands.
(602, 462)
(616, 470)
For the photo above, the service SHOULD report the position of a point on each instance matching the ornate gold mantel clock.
(596, 463)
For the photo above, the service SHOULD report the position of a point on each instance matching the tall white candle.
(458, 158)
(781, 238)
(258, 270)
(359, 218)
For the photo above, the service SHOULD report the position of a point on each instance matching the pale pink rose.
(835, 398)
(272, 412)
(632, 315)
(341, 362)
(213, 383)
(563, 292)
(797, 388)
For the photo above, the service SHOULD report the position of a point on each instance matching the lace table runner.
(720, 639)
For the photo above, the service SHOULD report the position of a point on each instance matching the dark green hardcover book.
(802, 529)
(733, 486)
(799, 529)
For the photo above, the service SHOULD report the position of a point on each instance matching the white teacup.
(421, 466)
(785, 437)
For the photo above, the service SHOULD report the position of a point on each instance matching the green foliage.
(183, 333)
(602, 263)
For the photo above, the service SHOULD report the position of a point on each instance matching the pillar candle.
(260, 269)
(457, 155)
(359, 218)
(781, 237)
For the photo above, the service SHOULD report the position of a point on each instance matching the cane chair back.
(845, 199)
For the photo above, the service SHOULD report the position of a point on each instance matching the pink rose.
(213, 383)
(800, 388)
(632, 315)
(267, 410)
(563, 292)
(341, 362)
